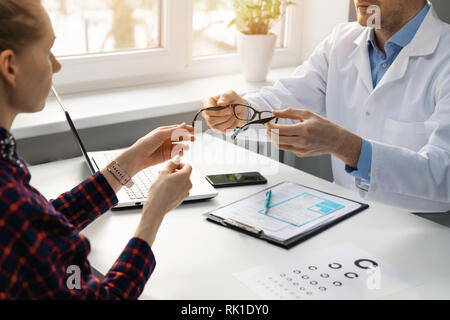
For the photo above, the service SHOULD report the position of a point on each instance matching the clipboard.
(292, 241)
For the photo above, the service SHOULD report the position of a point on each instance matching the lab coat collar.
(360, 58)
(427, 37)
(424, 43)
(405, 35)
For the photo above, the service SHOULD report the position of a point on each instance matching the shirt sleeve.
(362, 172)
(125, 280)
(69, 280)
(45, 257)
(130, 273)
(87, 201)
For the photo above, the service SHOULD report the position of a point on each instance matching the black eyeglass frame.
(249, 121)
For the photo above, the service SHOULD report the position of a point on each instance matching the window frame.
(173, 61)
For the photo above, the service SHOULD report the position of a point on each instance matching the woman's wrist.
(154, 206)
(149, 225)
(129, 160)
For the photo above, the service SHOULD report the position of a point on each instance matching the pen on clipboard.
(267, 204)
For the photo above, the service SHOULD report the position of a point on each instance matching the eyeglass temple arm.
(260, 121)
(195, 118)
(217, 108)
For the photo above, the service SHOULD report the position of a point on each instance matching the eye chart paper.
(341, 272)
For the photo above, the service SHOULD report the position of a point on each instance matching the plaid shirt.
(41, 248)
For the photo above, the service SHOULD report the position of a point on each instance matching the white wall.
(319, 19)
(442, 8)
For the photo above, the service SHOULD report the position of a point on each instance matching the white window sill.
(106, 107)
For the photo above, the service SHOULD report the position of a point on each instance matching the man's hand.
(221, 121)
(314, 136)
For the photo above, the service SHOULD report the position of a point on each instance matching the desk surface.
(196, 259)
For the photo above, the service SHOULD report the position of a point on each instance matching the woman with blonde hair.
(39, 239)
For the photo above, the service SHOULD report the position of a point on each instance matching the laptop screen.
(74, 131)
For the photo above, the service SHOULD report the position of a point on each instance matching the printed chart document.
(295, 212)
(344, 271)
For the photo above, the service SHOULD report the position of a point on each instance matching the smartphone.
(236, 179)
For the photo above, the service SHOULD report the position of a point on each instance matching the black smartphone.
(236, 179)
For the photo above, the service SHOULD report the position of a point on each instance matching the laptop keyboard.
(142, 182)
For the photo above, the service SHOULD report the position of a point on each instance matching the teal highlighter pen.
(267, 204)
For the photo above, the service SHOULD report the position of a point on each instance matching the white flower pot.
(256, 53)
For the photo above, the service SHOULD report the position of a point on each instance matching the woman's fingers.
(182, 132)
(169, 129)
(185, 169)
(172, 165)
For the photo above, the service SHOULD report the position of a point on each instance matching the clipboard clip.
(242, 226)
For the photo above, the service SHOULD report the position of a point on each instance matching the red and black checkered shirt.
(41, 248)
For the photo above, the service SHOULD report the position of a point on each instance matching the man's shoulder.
(445, 34)
(441, 54)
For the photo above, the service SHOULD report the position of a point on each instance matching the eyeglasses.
(257, 117)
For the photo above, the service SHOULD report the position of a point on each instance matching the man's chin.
(362, 20)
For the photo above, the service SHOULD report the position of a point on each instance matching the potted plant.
(256, 44)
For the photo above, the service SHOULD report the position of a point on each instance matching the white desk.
(196, 258)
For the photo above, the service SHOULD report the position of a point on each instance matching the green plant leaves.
(257, 16)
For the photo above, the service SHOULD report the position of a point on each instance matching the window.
(211, 34)
(107, 43)
(96, 26)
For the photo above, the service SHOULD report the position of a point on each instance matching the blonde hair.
(19, 23)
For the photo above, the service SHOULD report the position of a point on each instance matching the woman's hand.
(314, 136)
(156, 147)
(167, 192)
(170, 188)
(224, 120)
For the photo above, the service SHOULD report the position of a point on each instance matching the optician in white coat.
(406, 117)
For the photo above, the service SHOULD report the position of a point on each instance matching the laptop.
(135, 196)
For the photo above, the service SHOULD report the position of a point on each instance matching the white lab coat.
(406, 117)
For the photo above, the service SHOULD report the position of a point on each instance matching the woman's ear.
(8, 67)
